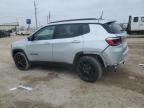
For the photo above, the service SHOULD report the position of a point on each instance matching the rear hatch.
(119, 36)
(117, 40)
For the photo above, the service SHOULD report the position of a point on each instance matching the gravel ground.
(57, 87)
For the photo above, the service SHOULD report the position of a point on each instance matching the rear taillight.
(114, 41)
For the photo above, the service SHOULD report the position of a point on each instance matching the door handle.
(76, 41)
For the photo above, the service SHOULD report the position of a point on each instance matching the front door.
(40, 48)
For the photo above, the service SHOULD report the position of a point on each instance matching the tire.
(89, 68)
(21, 61)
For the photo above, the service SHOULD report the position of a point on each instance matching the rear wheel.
(89, 68)
(21, 61)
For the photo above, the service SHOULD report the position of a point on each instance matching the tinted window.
(45, 33)
(135, 19)
(142, 19)
(70, 30)
(85, 28)
(113, 27)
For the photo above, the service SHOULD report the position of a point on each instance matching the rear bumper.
(115, 55)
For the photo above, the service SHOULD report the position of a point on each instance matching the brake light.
(114, 41)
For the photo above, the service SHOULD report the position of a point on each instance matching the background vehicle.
(135, 25)
(4, 33)
(87, 44)
(25, 32)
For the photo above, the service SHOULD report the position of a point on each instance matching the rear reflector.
(114, 41)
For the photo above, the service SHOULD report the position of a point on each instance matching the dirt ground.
(56, 87)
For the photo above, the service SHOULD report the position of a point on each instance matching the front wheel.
(89, 68)
(21, 61)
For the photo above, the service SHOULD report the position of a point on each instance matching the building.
(9, 26)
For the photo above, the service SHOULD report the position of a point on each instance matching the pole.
(49, 17)
(35, 8)
(17, 28)
(101, 17)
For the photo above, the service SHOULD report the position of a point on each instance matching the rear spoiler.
(110, 22)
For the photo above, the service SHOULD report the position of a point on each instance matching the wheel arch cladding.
(17, 50)
(81, 54)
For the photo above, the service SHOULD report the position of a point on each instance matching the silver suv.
(90, 45)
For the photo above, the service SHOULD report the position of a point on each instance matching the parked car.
(23, 32)
(135, 25)
(88, 45)
(4, 33)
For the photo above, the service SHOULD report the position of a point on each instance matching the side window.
(70, 30)
(135, 19)
(45, 33)
(142, 19)
(85, 28)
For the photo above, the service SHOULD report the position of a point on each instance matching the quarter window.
(135, 19)
(70, 30)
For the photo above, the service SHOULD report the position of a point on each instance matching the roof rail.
(75, 20)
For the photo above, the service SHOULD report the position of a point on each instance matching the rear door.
(67, 42)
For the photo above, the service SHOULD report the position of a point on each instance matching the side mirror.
(30, 38)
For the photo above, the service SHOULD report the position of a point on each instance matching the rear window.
(113, 27)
